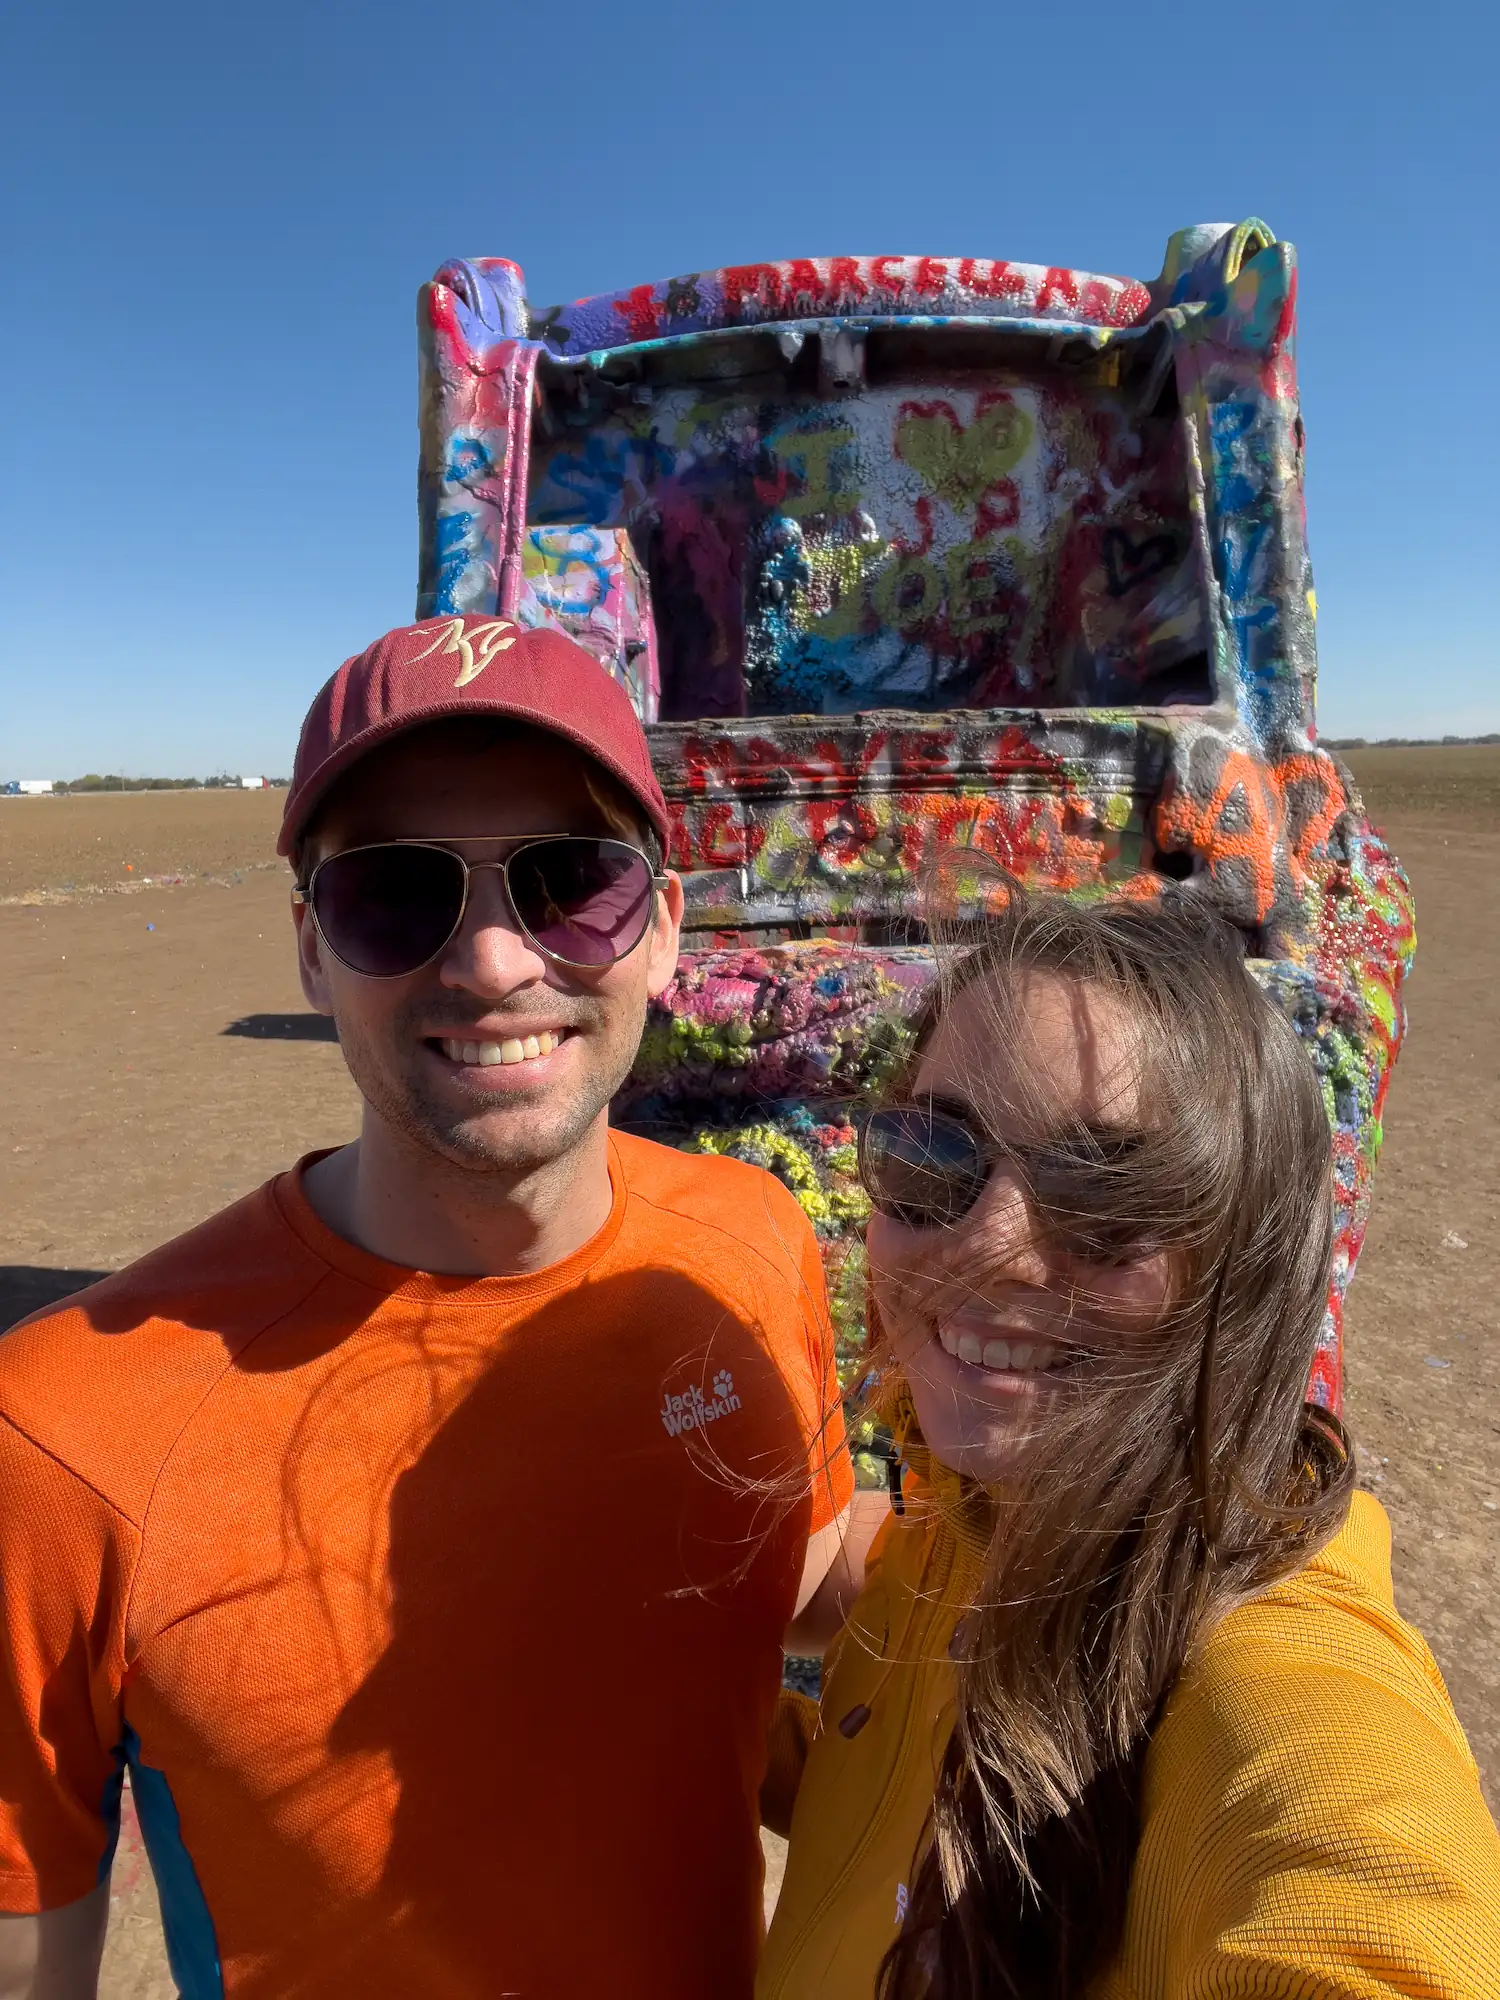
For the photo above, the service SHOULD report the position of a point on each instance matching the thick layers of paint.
(471, 477)
(490, 298)
(589, 583)
(899, 556)
(760, 1025)
(1026, 542)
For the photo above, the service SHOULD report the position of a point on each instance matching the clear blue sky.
(220, 217)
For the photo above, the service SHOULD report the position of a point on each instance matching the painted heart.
(959, 462)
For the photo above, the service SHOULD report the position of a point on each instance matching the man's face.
(404, 1038)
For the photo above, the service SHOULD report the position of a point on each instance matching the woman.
(1125, 1707)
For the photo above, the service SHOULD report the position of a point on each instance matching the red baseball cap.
(468, 666)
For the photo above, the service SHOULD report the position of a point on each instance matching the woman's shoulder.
(1333, 1624)
(1319, 1677)
(1309, 1801)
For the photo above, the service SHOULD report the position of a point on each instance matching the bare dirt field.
(90, 841)
(159, 1061)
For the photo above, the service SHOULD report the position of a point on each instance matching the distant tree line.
(1401, 742)
(93, 781)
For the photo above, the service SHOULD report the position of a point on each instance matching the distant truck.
(894, 553)
(31, 788)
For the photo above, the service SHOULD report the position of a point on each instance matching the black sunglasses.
(390, 909)
(925, 1165)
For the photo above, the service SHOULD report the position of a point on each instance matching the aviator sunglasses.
(925, 1165)
(390, 909)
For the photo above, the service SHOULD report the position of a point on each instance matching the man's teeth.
(484, 1055)
(1018, 1357)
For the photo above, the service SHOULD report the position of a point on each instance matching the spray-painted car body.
(899, 553)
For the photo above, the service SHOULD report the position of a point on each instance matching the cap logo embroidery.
(474, 648)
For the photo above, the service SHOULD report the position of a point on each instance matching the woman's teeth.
(484, 1055)
(1018, 1357)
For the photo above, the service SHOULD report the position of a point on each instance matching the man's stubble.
(509, 1140)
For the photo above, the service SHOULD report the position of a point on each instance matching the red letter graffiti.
(1058, 284)
(845, 284)
(802, 287)
(758, 282)
(1001, 282)
(641, 312)
(724, 839)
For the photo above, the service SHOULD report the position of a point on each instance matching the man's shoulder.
(104, 1381)
(718, 1204)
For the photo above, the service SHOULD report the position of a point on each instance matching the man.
(422, 1531)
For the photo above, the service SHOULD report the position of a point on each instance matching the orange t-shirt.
(438, 1619)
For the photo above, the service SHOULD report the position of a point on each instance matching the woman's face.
(993, 1319)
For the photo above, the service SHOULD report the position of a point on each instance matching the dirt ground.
(84, 843)
(159, 1061)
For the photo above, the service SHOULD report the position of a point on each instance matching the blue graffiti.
(1265, 699)
(580, 549)
(1228, 423)
(469, 458)
(594, 483)
(461, 548)
(1237, 570)
(1240, 550)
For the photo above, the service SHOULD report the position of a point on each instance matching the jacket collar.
(959, 1506)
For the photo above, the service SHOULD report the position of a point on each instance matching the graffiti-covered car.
(895, 554)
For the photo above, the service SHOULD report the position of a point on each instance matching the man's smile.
(514, 1049)
(491, 1062)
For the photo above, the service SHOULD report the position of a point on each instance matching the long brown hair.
(1180, 1484)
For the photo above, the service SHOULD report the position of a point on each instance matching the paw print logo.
(723, 1385)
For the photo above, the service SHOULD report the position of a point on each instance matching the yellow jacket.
(1312, 1823)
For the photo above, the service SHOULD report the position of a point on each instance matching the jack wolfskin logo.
(692, 1410)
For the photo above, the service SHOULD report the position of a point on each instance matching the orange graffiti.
(1255, 831)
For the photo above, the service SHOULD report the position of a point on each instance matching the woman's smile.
(997, 1348)
(995, 1317)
